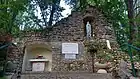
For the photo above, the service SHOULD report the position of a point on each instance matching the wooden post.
(92, 62)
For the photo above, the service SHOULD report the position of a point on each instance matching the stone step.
(67, 75)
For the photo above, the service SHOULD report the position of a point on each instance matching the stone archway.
(32, 51)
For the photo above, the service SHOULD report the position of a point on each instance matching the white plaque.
(38, 66)
(70, 56)
(68, 48)
(37, 60)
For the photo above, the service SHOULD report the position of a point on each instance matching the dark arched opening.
(90, 20)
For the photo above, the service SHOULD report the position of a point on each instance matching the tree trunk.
(92, 58)
(52, 15)
(93, 64)
(132, 27)
(55, 5)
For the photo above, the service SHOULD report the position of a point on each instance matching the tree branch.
(136, 7)
(37, 23)
(137, 14)
(135, 3)
(42, 12)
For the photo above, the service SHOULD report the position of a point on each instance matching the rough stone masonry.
(70, 29)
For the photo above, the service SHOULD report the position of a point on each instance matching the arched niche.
(31, 53)
(89, 19)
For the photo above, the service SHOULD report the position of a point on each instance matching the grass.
(2, 77)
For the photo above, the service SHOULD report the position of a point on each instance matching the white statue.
(88, 30)
(108, 44)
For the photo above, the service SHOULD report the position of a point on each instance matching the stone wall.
(70, 29)
(81, 63)
(15, 56)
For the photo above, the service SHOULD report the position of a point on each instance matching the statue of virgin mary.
(88, 30)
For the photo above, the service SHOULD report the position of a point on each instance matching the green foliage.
(40, 14)
(3, 78)
(18, 15)
(9, 9)
(77, 5)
